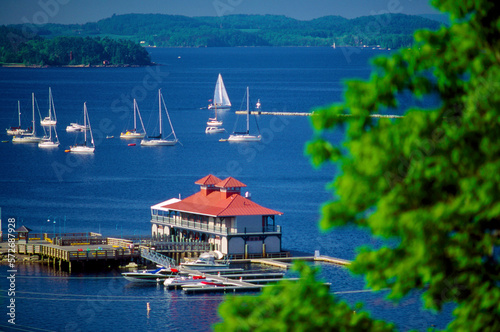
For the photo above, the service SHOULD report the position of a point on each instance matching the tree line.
(15, 47)
(388, 30)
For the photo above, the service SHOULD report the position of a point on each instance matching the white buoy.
(148, 307)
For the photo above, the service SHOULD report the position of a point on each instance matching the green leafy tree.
(430, 180)
(303, 306)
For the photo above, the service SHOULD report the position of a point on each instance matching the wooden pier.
(81, 255)
(87, 250)
(93, 250)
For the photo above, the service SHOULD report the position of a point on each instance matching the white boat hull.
(214, 123)
(48, 144)
(75, 127)
(219, 107)
(244, 138)
(132, 135)
(81, 149)
(47, 122)
(26, 139)
(182, 281)
(14, 132)
(214, 130)
(202, 267)
(159, 142)
(149, 276)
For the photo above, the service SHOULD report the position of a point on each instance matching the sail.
(220, 95)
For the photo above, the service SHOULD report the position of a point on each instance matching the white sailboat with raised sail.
(17, 130)
(160, 140)
(221, 99)
(84, 148)
(49, 120)
(245, 136)
(29, 137)
(133, 133)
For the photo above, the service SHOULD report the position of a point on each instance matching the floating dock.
(247, 282)
(232, 283)
(286, 262)
(388, 116)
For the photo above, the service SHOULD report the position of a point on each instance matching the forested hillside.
(59, 51)
(391, 30)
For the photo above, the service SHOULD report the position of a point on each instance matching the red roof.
(230, 182)
(213, 204)
(208, 180)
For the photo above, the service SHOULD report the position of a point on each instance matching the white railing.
(196, 225)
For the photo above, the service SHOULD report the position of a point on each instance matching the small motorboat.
(132, 144)
(206, 261)
(204, 284)
(151, 276)
(214, 130)
(181, 281)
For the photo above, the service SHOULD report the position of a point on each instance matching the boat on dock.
(206, 261)
(179, 282)
(152, 276)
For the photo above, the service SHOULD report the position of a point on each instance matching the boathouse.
(218, 214)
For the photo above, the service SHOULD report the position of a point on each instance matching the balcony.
(205, 227)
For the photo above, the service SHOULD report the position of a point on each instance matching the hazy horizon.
(80, 12)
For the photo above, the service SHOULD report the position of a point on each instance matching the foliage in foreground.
(430, 180)
(299, 306)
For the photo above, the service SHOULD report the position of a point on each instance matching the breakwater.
(387, 116)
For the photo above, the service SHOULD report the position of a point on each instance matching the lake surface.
(111, 191)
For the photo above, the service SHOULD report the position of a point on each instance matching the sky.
(83, 11)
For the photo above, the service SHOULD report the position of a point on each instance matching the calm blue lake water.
(112, 190)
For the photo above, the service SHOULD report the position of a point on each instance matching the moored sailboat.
(49, 120)
(84, 148)
(214, 125)
(221, 99)
(29, 137)
(17, 130)
(160, 140)
(245, 136)
(133, 133)
(50, 141)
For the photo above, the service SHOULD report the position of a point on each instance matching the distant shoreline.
(22, 65)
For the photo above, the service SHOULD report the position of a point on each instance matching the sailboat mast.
(33, 107)
(50, 104)
(19, 112)
(248, 111)
(85, 122)
(159, 107)
(135, 120)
